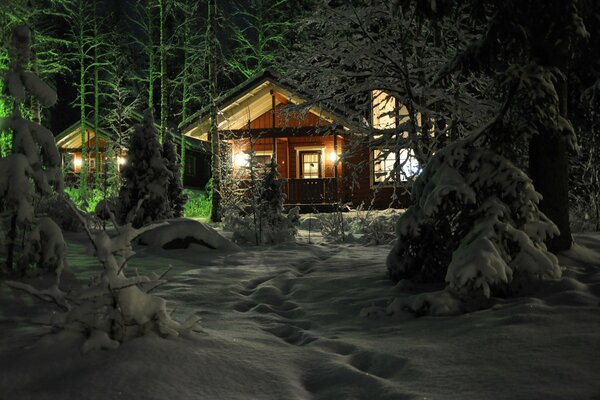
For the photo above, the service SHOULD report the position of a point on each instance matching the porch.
(317, 191)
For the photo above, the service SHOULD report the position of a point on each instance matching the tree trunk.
(548, 158)
(96, 102)
(548, 168)
(83, 173)
(215, 214)
(163, 71)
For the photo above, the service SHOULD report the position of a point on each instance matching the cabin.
(197, 156)
(322, 157)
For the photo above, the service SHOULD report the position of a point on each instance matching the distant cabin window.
(69, 162)
(190, 166)
(394, 166)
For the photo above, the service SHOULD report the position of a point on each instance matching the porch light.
(333, 156)
(240, 160)
(77, 162)
(121, 160)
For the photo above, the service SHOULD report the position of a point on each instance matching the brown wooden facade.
(266, 118)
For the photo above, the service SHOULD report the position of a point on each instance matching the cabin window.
(394, 166)
(310, 164)
(262, 158)
(190, 166)
(384, 112)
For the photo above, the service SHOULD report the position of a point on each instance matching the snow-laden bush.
(56, 207)
(262, 220)
(335, 226)
(112, 308)
(374, 227)
(475, 225)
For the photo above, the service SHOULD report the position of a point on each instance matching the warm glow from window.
(240, 160)
(389, 164)
(384, 112)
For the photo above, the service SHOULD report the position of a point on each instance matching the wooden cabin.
(197, 159)
(322, 157)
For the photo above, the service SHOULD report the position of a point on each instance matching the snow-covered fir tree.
(253, 205)
(275, 225)
(475, 225)
(145, 176)
(175, 194)
(32, 171)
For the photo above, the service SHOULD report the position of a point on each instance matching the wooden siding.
(287, 152)
(286, 120)
(362, 191)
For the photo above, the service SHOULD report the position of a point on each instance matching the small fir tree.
(475, 225)
(145, 176)
(273, 222)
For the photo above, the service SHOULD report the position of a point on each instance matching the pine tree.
(261, 35)
(33, 169)
(191, 82)
(531, 67)
(145, 176)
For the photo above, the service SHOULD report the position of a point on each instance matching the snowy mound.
(181, 232)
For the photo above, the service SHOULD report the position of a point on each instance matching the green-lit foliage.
(89, 203)
(5, 137)
(261, 35)
(198, 204)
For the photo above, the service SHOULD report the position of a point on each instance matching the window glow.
(240, 160)
(389, 166)
(383, 110)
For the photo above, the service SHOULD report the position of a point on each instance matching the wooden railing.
(312, 191)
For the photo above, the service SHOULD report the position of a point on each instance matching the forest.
(299, 199)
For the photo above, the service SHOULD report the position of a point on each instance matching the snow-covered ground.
(284, 322)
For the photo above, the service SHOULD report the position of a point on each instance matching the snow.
(186, 231)
(283, 322)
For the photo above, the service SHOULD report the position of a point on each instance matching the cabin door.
(310, 164)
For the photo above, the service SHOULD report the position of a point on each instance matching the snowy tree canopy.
(33, 169)
(475, 225)
(145, 176)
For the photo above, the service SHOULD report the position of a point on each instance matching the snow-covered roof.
(250, 100)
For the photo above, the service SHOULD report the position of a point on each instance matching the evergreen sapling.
(145, 176)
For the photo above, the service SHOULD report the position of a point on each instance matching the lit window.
(383, 110)
(388, 164)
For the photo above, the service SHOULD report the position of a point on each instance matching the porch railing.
(312, 191)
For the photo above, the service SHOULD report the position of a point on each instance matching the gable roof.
(70, 138)
(250, 100)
